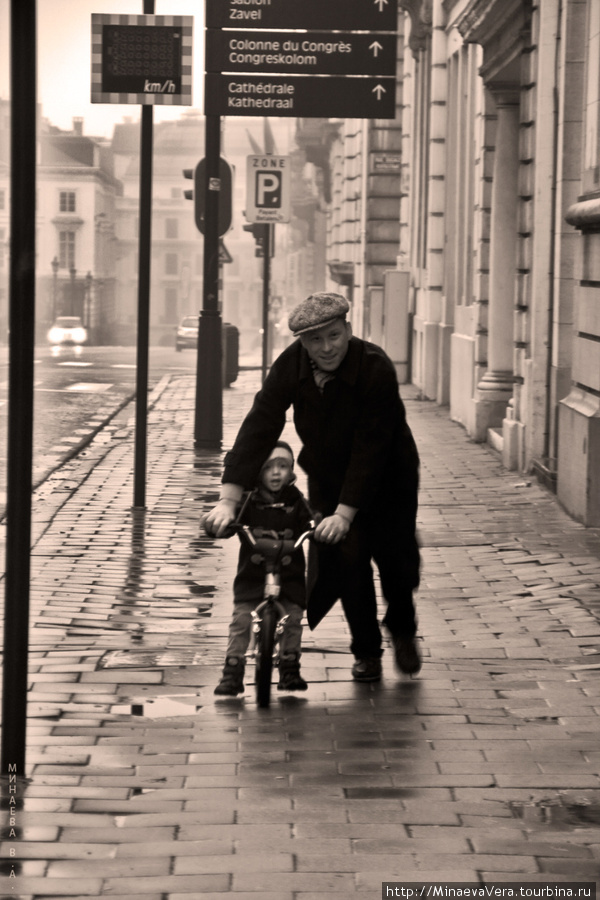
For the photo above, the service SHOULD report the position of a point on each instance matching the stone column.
(495, 388)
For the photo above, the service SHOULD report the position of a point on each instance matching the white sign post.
(268, 189)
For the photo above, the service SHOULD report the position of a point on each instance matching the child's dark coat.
(286, 510)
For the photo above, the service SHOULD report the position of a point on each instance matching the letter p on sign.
(268, 189)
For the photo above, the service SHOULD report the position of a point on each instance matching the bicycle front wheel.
(264, 656)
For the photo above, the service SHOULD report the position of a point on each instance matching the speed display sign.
(142, 59)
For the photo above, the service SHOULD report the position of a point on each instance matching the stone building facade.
(494, 296)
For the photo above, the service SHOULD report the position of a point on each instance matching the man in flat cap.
(362, 466)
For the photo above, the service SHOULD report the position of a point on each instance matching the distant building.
(88, 223)
(177, 245)
(76, 245)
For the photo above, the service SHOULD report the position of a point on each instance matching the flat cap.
(317, 311)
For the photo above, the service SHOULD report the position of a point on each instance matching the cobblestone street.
(484, 768)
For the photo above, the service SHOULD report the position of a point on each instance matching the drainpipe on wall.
(545, 468)
(553, 236)
(364, 306)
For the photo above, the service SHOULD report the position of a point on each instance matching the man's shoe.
(408, 658)
(232, 682)
(368, 669)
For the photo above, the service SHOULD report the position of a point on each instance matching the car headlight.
(55, 335)
(79, 335)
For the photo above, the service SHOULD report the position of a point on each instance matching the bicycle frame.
(266, 635)
(257, 614)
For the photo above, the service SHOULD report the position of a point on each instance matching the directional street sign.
(341, 15)
(300, 95)
(312, 53)
(296, 72)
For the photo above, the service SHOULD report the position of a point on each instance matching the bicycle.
(269, 618)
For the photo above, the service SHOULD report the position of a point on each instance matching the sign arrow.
(375, 47)
(379, 90)
(381, 4)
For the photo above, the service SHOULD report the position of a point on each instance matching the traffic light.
(259, 233)
(198, 194)
(188, 173)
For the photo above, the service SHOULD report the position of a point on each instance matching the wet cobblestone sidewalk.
(485, 768)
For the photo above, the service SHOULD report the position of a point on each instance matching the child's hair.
(284, 446)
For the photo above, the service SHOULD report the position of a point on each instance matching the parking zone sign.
(268, 187)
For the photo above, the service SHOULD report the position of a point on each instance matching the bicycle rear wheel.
(264, 656)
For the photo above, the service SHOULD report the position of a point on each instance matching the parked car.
(67, 331)
(187, 336)
(187, 333)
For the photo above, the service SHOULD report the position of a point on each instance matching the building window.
(176, 193)
(171, 264)
(66, 249)
(591, 148)
(2, 252)
(67, 201)
(460, 200)
(172, 228)
(2, 199)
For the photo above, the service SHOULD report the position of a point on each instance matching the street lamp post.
(73, 273)
(55, 264)
(87, 319)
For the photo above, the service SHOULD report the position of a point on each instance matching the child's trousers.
(241, 625)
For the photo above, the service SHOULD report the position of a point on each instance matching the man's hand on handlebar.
(220, 518)
(332, 529)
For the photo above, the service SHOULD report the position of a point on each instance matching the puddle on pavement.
(117, 659)
(559, 815)
(159, 708)
(199, 589)
(200, 545)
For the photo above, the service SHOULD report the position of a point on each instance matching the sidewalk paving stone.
(141, 783)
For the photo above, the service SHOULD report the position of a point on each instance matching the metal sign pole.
(143, 335)
(208, 425)
(21, 381)
(266, 292)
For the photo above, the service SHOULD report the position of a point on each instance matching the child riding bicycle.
(275, 505)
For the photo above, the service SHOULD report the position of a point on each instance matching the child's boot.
(290, 678)
(232, 682)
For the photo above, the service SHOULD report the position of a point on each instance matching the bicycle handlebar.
(307, 535)
(273, 535)
(273, 546)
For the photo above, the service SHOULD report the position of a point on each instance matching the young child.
(275, 504)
